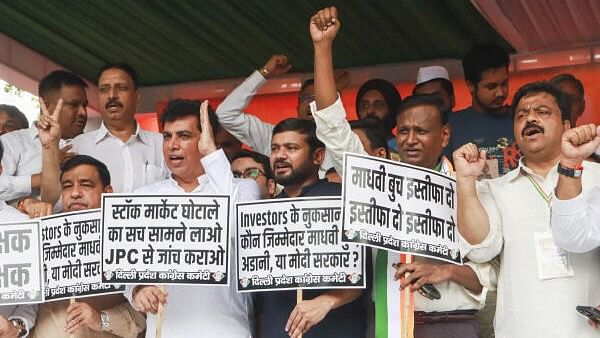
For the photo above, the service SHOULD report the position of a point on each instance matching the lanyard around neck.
(546, 197)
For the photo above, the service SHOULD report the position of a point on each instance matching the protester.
(296, 155)
(487, 122)
(510, 216)
(434, 80)
(22, 159)
(209, 310)
(11, 119)
(573, 88)
(133, 155)
(255, 166)
(248, 128)
(422, 134)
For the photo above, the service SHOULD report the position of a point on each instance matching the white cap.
(426, 74)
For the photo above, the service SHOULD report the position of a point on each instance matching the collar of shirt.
(202, 180)
(33, 131)
(103, 133)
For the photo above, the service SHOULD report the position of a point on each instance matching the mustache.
(113, 101)
(281, 162)
(531, 125)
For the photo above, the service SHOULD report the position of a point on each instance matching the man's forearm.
(568, 187)
(465, 276)
(325, 88)
(50, 186)
(339, 298)
(472, 219)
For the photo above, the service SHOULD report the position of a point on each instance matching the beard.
(493, 107)
(296, 176)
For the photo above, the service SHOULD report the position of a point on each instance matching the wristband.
(21, 205)
(572, 164)
(264, 72)
(569, 172)
(19, 324)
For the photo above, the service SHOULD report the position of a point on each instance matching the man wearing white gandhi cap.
(434, 80)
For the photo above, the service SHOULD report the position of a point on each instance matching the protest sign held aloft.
(399, 207)
(165, 239)
(71, 253)
(20, 263)
(295, 243)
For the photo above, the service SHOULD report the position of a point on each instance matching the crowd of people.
(528, 196)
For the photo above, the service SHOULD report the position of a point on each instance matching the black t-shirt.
(275, 307)
(490, 132)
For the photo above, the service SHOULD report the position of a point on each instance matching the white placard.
(295, 243)
(165, 239)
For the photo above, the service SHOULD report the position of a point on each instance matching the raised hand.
(324, 26)
(277, 65)
(580, 142)
(48, 126)
(206, 144)
(469, 161)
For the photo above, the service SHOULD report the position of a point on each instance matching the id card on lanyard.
(552, 261)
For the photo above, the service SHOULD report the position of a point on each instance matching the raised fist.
(469, 161)
(324, 25)
(579, 143)
(277, 65)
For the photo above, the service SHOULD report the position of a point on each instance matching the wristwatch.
(570, 172)
(104, 321)
(19, 324)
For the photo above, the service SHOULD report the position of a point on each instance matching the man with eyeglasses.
(255, 166)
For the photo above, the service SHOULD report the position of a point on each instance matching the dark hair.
(446, 84)
(127, 68)
(390, 95)
(374, 131)
(258, 158)
(56, 80)
(543, 87)
(1, 150)
(306, 83)
(424, 100)
(180, 108)
(78, 160)
(481, 58)
(14, 113)
(568, 77)
(306, 127)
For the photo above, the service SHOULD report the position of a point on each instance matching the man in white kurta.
(539, 285)
(197, 311)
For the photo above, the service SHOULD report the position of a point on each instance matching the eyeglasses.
(251, 173)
